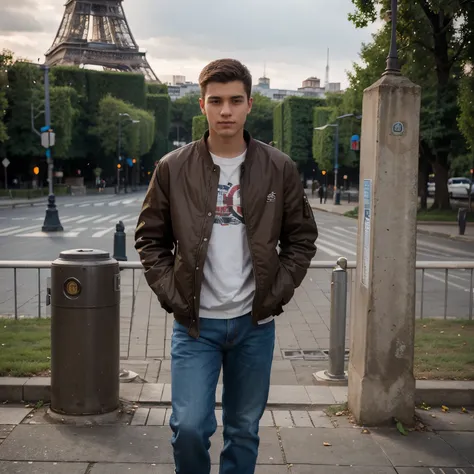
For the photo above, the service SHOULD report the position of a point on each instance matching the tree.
(183, 110)
(433, 36)
(135, 138)
(63, 116)
(6, 58)
(25, 89)
(260, 120)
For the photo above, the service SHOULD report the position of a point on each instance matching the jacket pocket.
(169, 297)
(280, 293)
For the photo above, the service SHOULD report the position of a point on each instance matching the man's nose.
(226, 110)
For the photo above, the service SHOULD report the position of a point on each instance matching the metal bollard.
(120, 252)
(85, 333)
(462, 218)
(337, 330)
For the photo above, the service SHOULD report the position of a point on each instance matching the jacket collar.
(204, 150)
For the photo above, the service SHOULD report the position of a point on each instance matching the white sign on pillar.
(366, 230)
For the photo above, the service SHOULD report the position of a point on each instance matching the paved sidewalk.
(340, 209)
(302, 331)
(11, 203)
(295, 442)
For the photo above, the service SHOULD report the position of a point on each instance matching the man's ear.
(201, 105)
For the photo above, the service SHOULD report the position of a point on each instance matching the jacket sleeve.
(299, 230)
(154, 238)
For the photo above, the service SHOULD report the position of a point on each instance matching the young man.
(207, 236)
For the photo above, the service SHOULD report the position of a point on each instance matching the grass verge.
(354, 213)
(436, 215)
(444, 350)
(25, 347)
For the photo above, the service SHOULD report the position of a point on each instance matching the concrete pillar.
(381, 381)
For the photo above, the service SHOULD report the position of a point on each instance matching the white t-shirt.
(228, 286)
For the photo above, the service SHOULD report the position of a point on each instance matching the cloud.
(290, 36)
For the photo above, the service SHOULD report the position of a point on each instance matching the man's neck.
(226, 147)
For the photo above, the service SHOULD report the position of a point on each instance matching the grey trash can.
(85, 333)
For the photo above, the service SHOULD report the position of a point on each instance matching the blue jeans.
(245, 353)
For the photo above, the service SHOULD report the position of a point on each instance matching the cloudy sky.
(180, 37)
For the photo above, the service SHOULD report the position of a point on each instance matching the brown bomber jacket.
(177, 216)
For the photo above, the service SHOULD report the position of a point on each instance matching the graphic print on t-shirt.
(228, 208)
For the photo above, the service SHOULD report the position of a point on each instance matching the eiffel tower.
(96, 32)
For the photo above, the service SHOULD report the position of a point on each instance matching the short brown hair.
(223, 71)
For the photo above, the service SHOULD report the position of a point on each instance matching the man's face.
(226, 107)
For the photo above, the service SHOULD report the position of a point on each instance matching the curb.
(290, 397)
(31, 203)
(460, 238)
(331, 211)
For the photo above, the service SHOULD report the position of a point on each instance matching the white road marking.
(73, 233)
(101, 233)
(72, 219)
(106, 218)
(5, 231)
(87, 219)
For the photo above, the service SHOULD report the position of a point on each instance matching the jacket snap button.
(205, 239)
(209, 214)
(197, 268)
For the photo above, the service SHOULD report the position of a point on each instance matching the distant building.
(311, 87)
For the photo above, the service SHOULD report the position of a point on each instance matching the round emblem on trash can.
(72, 288)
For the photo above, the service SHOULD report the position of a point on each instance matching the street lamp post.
(51, 220)
(393, 66)
(336, 150)
(130, 120)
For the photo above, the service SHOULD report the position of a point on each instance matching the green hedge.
(278, 126)
(159, 105)
(157, 88)
(128, 87)
(323, 140)
(70, 76)
(298, 126)
(200, 126)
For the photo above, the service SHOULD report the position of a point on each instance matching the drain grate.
(314, 355)
(292, 354)
(346, 353)
(296, 354)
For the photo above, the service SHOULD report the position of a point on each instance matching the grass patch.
(446, 215)
(354, 213)
(444, 350)
(25, 347)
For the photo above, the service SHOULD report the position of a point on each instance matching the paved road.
(89, 222)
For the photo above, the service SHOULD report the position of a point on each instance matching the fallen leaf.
(444, 408)
(401, 428)
(463, 410)
(441, 332)
(327, 444)
(365, 431)
(339, 413)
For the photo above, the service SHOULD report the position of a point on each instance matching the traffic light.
(36, 170)
(134, 160)
(323, 172)
(119, 166)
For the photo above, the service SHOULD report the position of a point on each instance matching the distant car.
(431, 188)
(459, 187)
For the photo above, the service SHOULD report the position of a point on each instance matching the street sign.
(6, 162)
(48, 139)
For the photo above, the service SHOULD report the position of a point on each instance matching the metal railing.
(425, 267)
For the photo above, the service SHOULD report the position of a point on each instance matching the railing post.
(120, 252)
(337, 330)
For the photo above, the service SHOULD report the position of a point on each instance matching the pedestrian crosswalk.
(94, 226)
(133, 201)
